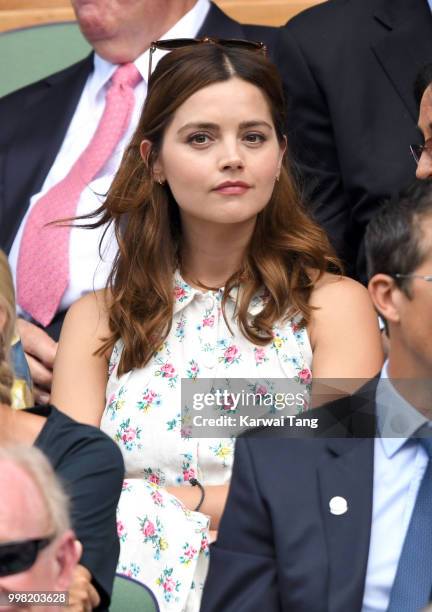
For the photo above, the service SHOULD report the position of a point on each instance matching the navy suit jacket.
(279, 547)
(34, 121)
(349, 67)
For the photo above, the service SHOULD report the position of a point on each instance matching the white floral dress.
(163, 544)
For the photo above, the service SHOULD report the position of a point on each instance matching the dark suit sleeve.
(242, 573)
(311, 141)
(94, 481)
(90, 466)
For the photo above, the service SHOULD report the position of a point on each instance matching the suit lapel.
(348, 473)
(400, 53)
(37, 143)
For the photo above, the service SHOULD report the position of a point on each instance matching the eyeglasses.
(417, 150)
(16, 557)
(178, 43)
(425, 277)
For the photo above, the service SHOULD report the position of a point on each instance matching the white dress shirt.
(399, 466)
(430, 4)
(89, 270)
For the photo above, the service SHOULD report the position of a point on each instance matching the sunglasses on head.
(16, 557)
(178, 43)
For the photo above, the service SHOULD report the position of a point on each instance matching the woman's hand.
(213, 504)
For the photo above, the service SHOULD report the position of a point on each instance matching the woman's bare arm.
(344, 333)
(80, 377)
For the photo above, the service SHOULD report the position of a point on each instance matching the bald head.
(33, 509)
(23, 510)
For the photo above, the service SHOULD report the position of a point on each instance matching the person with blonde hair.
(21, 392)
(220, 274)
(83, 457)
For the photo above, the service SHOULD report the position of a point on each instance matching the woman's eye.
(254, 138)
(199, 139)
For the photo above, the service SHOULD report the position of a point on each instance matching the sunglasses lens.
(175, 43)
(16, 558)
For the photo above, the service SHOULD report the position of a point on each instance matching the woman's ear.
(145, 148)
(384, 294)
(156, 169)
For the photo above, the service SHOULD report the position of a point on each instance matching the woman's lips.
(234, 188)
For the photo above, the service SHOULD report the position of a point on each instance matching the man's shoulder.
(221, 25)
(66, 441)
(349, 417)
(331, 12)
(32, 90)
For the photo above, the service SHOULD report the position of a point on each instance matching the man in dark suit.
(349, 68)
(42, 124)
(341, 522)
(423, 94)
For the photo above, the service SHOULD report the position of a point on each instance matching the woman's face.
(220, 154)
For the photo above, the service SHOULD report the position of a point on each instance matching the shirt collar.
(430, 4)
(187, 27)
(397, 419)
(184, 294)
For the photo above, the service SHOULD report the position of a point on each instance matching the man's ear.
(384, 294)
(3, 318)
(145, 150)
(67, 557)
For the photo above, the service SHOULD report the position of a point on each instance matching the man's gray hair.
(34, 463)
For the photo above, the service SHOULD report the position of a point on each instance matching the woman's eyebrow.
(199, 126)
(255, 123)
(207, 125)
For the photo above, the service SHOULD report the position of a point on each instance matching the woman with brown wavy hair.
(220, 273)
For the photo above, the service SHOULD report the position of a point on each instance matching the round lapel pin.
(338, 505)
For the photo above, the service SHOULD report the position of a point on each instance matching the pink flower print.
(128, 435)
(229, 404)
(120, 529)
(305, 376)
(179, 293)
(188, 473)
(295, 327)
(167, 370)
(148, 529)
(157, 498)
(259, 356)
(208, 321)
(261, 390)
(149, 396)
(204, 543)
(154, 478)
(169, 585)
(231, 353)
(190, 552)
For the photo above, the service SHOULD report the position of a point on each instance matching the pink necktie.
(43, 260)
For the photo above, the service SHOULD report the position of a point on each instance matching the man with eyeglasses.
(343, 522)
(422, 153)
(38, 552)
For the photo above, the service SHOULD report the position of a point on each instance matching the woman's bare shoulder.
(90, 313)
(331, 287)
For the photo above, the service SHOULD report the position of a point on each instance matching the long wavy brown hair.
(286, 255)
